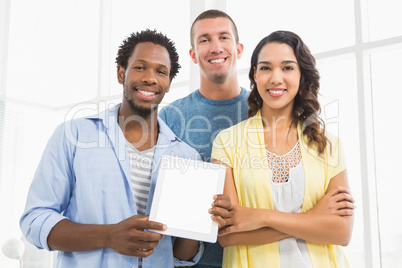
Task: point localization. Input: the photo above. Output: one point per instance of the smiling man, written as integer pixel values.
(219, 103)
(92, 192)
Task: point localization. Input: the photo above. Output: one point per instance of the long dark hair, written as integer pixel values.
(306, 106)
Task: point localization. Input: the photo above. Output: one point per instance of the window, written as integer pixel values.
(387, 95)
(382, 19)
(53, 52)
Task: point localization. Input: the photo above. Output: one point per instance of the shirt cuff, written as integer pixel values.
(47, 226)
(194, 260)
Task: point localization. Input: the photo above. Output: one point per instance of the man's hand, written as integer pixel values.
(129, 238)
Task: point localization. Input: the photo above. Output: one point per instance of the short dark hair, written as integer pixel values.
(127, 47)
(212, 14)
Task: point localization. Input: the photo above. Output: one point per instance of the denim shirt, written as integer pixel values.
(84, 176)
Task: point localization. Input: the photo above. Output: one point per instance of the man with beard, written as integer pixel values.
(219, 103)
(92, 192)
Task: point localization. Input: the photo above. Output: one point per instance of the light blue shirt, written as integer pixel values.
(84, 176)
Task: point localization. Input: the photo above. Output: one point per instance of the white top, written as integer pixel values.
(287, 182)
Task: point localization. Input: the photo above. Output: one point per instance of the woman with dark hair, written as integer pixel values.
(286, 177)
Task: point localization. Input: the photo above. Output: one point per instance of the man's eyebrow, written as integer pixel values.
(159, 64)
(208, 35)
(225, 33)
(203, 35)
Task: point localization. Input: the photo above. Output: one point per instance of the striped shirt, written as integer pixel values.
(140, 169)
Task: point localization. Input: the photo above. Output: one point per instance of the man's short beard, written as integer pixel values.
(219, 78)
(142, 112)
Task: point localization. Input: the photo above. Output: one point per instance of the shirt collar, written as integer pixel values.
(166, 133)
(109, 120)
(108, 116)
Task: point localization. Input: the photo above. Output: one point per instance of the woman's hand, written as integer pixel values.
(338, 201)
(243, 219)
(220, 209)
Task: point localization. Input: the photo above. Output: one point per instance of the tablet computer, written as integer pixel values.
(183, 194)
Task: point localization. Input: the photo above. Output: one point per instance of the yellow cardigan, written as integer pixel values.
(242, 148)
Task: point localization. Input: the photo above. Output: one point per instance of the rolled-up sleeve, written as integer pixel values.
(194, 260)
(49, 192)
